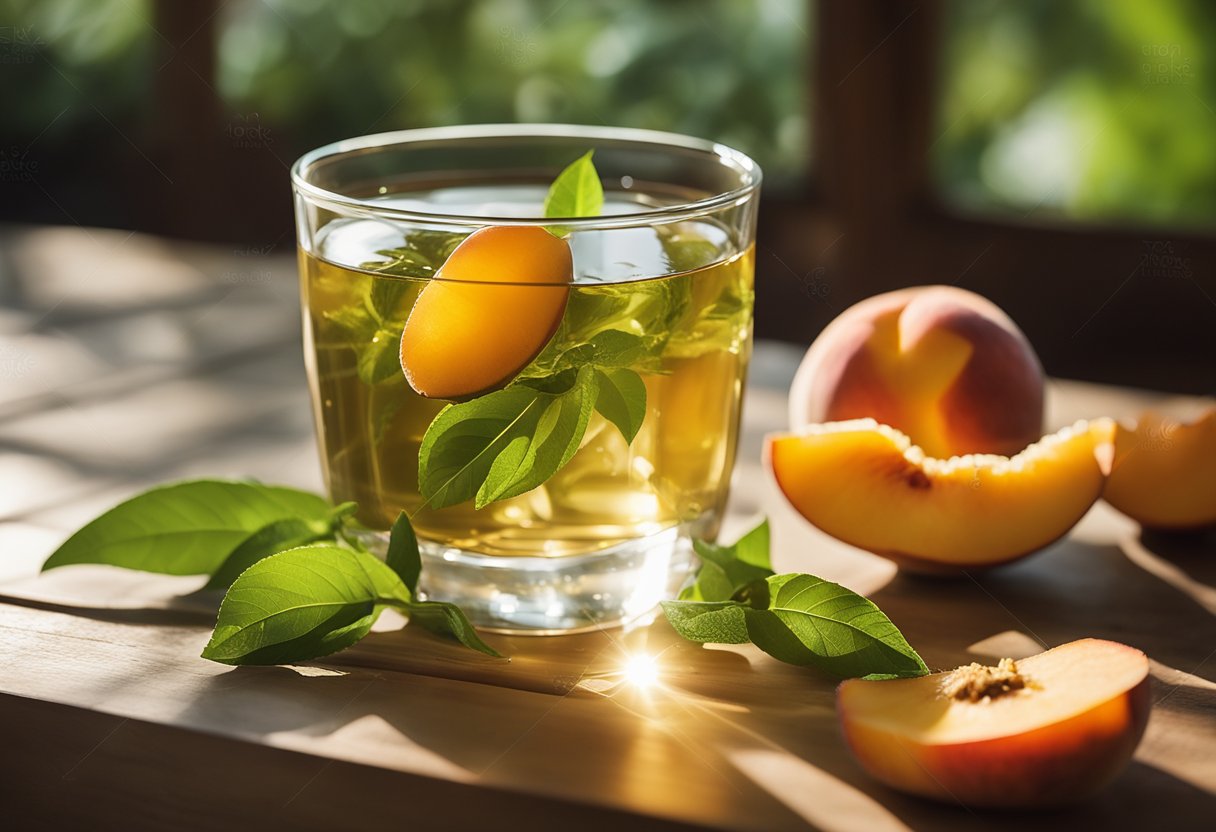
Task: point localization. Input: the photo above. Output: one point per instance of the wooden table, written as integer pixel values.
(126, 361)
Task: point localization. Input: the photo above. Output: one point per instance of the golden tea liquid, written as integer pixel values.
(685, 291)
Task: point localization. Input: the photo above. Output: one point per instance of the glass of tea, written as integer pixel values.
(553, 400)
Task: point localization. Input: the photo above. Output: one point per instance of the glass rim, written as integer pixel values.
(747, 169)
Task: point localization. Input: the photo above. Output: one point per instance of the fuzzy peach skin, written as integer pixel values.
(1059, 740)
(868, 485)
(940, 364)
(1164, 473)
(491, 308)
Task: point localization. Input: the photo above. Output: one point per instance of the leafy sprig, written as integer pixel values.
(300, 585)
(371, 326)
(576, 192)
(311, 601)
(487, 449)
(800, 619)
(510, 441)
(193, 528)
(293, 601)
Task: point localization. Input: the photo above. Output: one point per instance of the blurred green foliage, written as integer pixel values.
(731, 70)
(1092, 109)
(65, 63)
(1089, 109)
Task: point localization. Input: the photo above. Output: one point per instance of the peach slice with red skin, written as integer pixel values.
(943, 365)
(491, 308)
(868, 485)
(1057, 728)
(1164, 473)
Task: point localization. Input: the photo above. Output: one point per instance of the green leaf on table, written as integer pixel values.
(799, 619)
(713, 622)
(505, 443)
(814, 622)
(448, 620)
(621, 399)
(270, 539)
(403, 556)
(709, 584)
(727, 571)
(187, 528)
(303, 604)
(576, 192)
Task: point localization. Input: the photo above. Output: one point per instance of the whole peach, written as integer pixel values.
(940, 364)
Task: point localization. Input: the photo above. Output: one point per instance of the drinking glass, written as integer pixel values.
(553, 401)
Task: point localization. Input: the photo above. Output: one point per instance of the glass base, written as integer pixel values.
(549, 596)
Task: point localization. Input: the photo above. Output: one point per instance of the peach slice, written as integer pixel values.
(868, 485)
(491, 308)
(1164, 473)
(941, 364)
(1046, 730)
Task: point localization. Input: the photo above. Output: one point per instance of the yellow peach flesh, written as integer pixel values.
(1164, 473)
(1068, 732)
(491, 308)
(867, 485)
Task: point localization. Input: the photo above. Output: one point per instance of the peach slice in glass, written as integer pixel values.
(490, 310)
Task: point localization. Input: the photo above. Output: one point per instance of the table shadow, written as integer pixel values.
(1070, 591)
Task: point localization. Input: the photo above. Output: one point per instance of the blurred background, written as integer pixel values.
(1057, 156)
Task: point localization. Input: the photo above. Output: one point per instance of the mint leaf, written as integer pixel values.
(688, 252)
(389, 299)
(713, 622)
(270, 539)
(606, 349)
(612, 348)
(711, 583)
(302, 604)
(721, 321)
(795, 618)
(401, 262)
(621, 399)
(188, 528)
(526, 461)
(751, 549)
(420, 254)
(371, 324)
(727, 571)
(277, 537)
(576, 192)
(504, 443)
(380, 359)
(403, 556)
(814, 622)
(448, 620)
(375, 340)
(463, 441)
